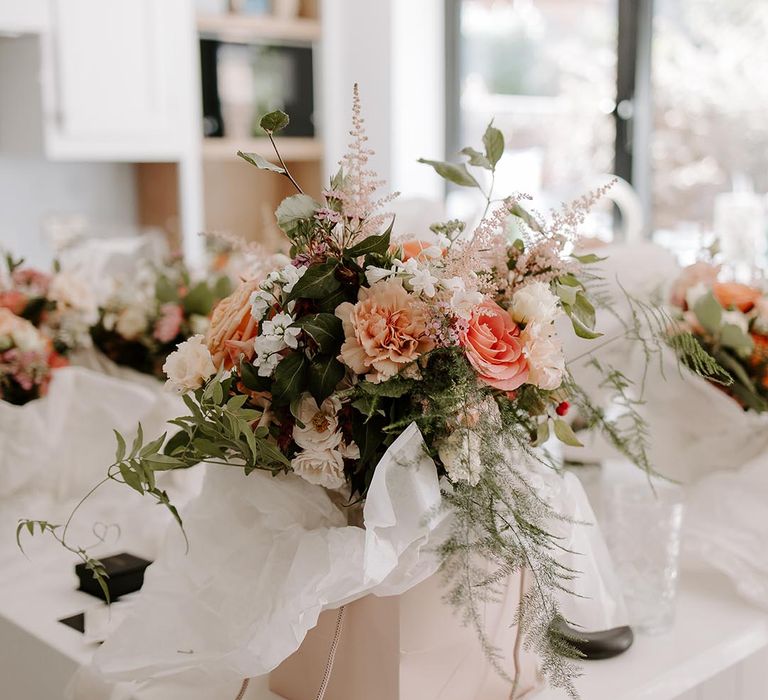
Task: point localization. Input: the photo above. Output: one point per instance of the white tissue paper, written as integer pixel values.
(268, 554)
(725, 527)
(63, 443)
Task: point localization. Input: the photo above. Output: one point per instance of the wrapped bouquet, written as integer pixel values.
(144, 318)
(729, 320)
(407, 386)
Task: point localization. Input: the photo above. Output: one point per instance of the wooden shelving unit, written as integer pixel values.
(245, 28)
(293, 149)
(238, 198)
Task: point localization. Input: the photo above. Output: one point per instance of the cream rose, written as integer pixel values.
(189, 366)
(546, 362)
(535, 302)
(73, 293)
(460, 455)
(321, 467)
(131, 322)
(385, 330)
(320, 429)
(20, 333)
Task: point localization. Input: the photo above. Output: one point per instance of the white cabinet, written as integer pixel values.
(112, 80)
(119, 79)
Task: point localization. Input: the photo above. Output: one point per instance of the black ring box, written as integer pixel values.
(125, 575)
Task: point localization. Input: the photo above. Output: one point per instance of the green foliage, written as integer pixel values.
(708, 312)
(261, 163)
(493, 140)
(325, 372)
(274, 121)
(457, 174)
(317, 282)
(373, 244)
(294, 210)
(291, 377)
(324, 328)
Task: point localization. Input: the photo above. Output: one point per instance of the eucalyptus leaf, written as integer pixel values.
(293, 210)
(493, 140)
(274, 121)
(731, 336)
(457, 174)
(708, 312)
(476, 158)
(261, 163)
(565, 433)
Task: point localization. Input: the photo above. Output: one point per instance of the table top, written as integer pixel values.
(714, 629)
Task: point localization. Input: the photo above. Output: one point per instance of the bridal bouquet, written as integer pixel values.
(730, 321)
(60, 304)
(417, 378)
(144, 319)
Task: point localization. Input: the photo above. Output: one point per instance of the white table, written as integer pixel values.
(699, 659)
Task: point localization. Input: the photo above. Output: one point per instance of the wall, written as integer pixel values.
(32, 190)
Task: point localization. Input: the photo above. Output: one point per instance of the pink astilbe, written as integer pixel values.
(358, 208)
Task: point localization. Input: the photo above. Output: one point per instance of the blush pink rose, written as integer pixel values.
(168, 325)
(698, 273)
(493, 347)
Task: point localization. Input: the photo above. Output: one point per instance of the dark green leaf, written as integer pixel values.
(178, 441)
(393, 388)
(274, 121)
(373, 244)
(368, 435)
(324, 328)
(199, 300)
(457, 174)
(260, 162)
(331, 301)
(317, 282)
(208, 448)
(367, 404)
(476, 158)
(290, 378)
(493, 140)
(325, 372)
(250, 377)
(293, 210)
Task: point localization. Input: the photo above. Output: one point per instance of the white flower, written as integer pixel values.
(322, 467)
(260, 301)
(72, 293)
(546, 362)
(421, 281)
(694, 293)
(27, 338)
(535, 302)
(280, 326)
(735, 318)
(189, 366)
(320, 429)
(453, 284)
(199, 324)
(375, 274)
(460, 454)
(464, 303)
(131, 322)
(268, 355)
(289, 275)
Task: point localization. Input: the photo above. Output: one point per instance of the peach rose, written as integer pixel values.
(741, 296)
(233, 328)
(698, 273)
(385, 330)
(493, 347)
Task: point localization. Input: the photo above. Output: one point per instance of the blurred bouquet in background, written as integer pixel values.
(730, 321)
(143, 318)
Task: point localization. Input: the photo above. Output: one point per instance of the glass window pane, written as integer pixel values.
(710, 80)
(545, 70)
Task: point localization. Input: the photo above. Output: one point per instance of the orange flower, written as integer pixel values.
(741, 296)
(385, 330)
(759, 358)
(13, 300)
(493, 347)
(233, 328)
(418, 249)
